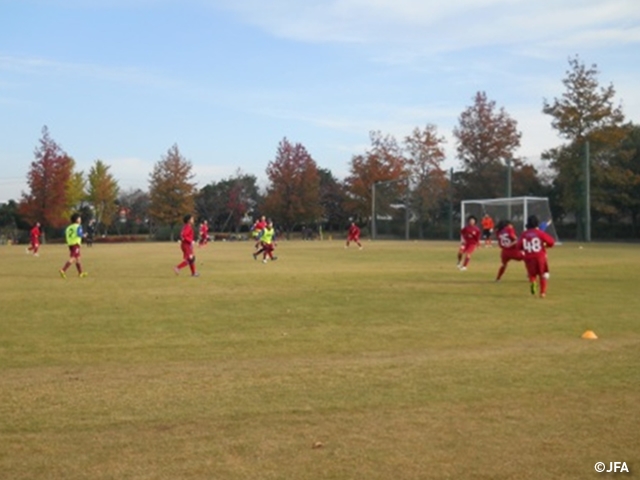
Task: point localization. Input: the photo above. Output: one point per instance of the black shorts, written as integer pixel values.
(486, 233)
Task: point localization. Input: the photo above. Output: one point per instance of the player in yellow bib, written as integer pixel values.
(73, 235)
(267, 243)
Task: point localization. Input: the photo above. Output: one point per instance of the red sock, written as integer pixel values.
(66, 265)
(182, 264)
(466, 261)
(79, 267)
(192, 266)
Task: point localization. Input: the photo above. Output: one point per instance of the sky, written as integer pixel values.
(122, 81)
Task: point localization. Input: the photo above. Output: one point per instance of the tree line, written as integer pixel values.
(600, 152)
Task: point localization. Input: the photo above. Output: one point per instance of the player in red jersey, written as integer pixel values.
(204, 234)
(256, 230)
(186, 245)
(470, 239)
(353, 235)
(534, 243)
(508, 242)
(34, 239)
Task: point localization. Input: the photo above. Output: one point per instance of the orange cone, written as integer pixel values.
(589, 335)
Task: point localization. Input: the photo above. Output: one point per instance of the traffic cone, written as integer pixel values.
(589, 335)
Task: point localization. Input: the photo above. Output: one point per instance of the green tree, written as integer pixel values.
(102, 193)
(332, 199)
(293, 195)
(225, 204)
(622, 180)
(171, 190)
(132, 213)
(11, 221)
(75, 190)
(487, 138)
(584, 113)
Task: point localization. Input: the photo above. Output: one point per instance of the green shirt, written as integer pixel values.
(73, 234)
(267, 235)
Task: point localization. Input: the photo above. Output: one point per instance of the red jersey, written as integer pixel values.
(35, 234)
(354, 231)
(507, 238)
(259, 226)
(204, 230)
(534, 242)
(470, 235)
(186, 235)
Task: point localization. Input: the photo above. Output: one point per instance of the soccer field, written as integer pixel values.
(329, 363)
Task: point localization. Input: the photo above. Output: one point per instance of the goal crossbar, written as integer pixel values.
(514, 209)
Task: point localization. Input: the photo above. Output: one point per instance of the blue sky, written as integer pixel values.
(226, 80)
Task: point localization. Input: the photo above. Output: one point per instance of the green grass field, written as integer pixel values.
(389, 360)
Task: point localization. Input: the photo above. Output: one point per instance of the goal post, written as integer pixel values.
(515, 209)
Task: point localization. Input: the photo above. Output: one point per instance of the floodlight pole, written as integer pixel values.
(406, 211)
(587, 193)
(373, 211)
(509, 187)
(451, 203)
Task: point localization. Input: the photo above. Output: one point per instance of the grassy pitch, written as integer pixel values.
(326, 364)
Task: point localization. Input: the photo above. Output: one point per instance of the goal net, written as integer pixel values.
(516, 209)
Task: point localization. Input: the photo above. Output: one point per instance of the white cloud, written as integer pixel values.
(437, 26)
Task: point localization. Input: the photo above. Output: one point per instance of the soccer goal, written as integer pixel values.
(516, 209)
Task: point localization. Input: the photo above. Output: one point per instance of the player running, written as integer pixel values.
(508, 243)
(186, 245)
(204, 234)
(257, 228)
(470, 239)
(73, 235)
(267, 243)
(353, 235)
(534, 243)
(34, 240)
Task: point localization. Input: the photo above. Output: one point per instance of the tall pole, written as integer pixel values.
(406, 212)
(509, 188)
(451, 203)
(373, 211)
(587, 194)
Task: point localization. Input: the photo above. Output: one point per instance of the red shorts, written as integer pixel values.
(353, 238)
(74, 251)
(468, 248)
(536, 266)
(511, 254)
(187, 250)
(268, 247)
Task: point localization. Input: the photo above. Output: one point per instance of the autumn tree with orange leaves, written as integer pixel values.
(293, 196)
(51, 185)
(383, 162)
